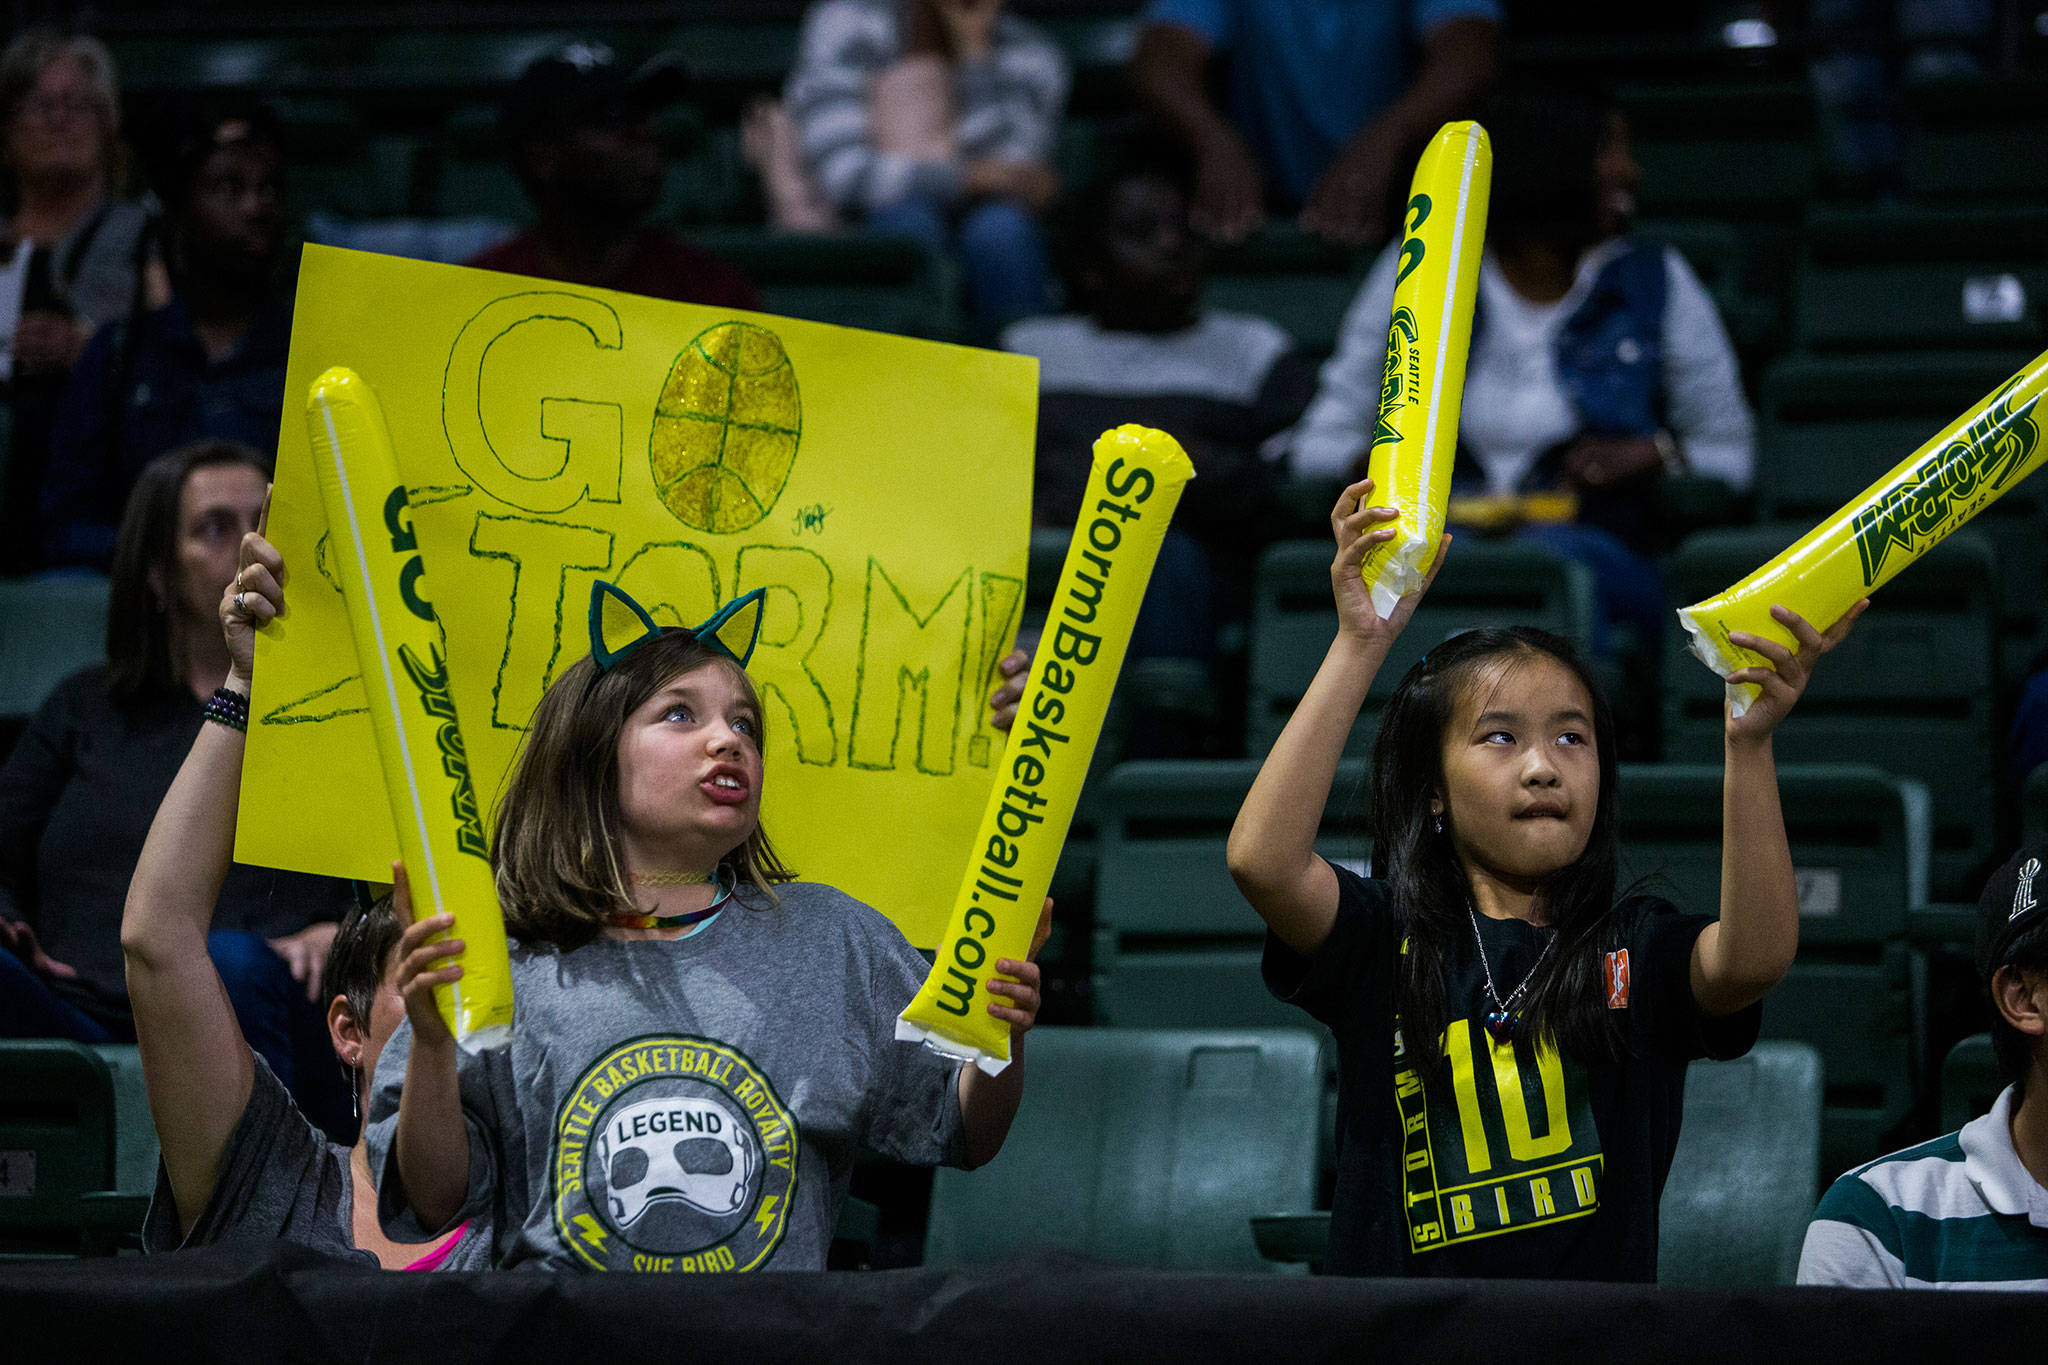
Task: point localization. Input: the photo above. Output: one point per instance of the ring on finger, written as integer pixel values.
(240, 610)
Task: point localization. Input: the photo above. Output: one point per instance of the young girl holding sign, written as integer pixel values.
(1512, 1041)
(702, 1043)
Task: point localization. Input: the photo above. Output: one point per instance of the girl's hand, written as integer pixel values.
(422, 964)
(1783, 683)
(1360, 528)
(255, 598)
(1022, 992)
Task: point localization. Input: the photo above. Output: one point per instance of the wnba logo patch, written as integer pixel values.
(673, 1154)
(1617, 979)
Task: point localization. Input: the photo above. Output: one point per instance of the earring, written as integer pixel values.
(1439, 822)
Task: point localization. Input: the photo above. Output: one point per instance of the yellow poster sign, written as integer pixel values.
(549, 435)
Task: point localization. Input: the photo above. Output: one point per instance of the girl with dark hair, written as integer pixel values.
(1512, 1038)
(80, 787)
(239, 1156)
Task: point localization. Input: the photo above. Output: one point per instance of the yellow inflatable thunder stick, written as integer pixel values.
(1133, 488)
(1963, 470)
(1416, 436)
(405, 674)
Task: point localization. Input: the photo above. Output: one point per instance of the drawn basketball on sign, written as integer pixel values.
(726, 429)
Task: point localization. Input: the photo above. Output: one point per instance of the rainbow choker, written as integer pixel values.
(682, 921)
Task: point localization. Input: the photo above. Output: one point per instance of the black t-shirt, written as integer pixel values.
(77, 797)
(1503, 1160)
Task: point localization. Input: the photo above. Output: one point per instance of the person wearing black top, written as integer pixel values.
(82, 784)
(1512, 1042)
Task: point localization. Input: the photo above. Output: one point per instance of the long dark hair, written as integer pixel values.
(1430, 889)
(145, 654)
(556, 852)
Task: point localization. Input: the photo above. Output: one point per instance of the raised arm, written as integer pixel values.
(1272, 850)
(194, 1061)
(1737, 960)
(432, 1141)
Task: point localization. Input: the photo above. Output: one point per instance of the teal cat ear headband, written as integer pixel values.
(619, 625)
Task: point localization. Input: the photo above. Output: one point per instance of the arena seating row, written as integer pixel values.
(1168, 1148)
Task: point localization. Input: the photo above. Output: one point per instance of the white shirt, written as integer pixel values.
(1514, 405)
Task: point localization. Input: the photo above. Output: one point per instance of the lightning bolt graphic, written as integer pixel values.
(592, 1232)
(767, 1213)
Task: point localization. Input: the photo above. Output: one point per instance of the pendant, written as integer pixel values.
(1500, 1024)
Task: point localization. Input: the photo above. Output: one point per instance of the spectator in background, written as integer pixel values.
(208, 364)
(81, 786)
(580, 136)
(935, 120)
(1597, 359)
(76, 250)
(1327, 103)
(1146, 351)
(1969, 1210)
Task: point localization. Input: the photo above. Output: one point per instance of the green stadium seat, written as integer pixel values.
(471, 177)
(135, 1142)
(2034, 803)
(49, 628)
(1970, 1081)
(730, 61)
(1831, 425)
(58, 1152)
(1746, 1175)
(1859, 842)
(428, 57)
(1910, 690)
(1176, 944)
(884, 284)
(1733, 261)
(1291, 278)
(1146, 1147)
(1098, 48)
(1895, 278)
(1976, 137)
(1724, 148)
(1483, 583)
(175, 63)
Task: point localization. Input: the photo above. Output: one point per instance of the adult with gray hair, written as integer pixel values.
(75, 250)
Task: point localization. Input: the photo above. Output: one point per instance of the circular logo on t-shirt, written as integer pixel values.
(673, 1153)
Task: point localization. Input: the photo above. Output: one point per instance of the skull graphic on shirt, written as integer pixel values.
(675, 1147)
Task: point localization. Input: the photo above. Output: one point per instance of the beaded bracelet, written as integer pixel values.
(230, 708)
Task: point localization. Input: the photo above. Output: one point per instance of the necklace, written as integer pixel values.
(1504, 1018)
(670, 878)
(681, 921)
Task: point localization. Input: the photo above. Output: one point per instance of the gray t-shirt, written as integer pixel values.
(692, 1104)
(281, 1178)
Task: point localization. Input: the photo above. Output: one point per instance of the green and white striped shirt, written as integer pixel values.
(1959, 1212)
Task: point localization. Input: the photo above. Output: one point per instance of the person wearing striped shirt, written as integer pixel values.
(1968, 1210)
(935, 120)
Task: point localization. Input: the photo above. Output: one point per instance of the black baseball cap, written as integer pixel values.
(2014, 901)
(584, 80)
